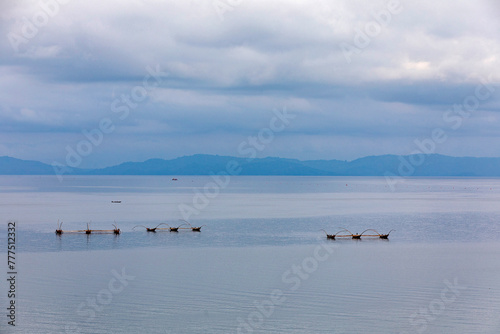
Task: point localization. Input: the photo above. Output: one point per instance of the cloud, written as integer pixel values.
(225, 77)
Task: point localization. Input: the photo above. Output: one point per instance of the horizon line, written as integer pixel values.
(266, 157)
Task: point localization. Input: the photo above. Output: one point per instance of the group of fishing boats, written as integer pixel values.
(343, 233)
(349, 234)
(116, 230)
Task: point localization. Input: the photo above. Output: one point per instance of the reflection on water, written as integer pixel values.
(261, 263)
(358, 288)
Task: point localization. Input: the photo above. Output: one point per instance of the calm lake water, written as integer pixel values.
(261, 263)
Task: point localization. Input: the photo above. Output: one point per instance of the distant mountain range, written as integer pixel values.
(200, 164)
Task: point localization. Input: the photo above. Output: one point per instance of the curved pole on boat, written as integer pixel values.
(116, 231)
(370, 229)
(185, 221)
(194, 228)
(59, 228)
(148, 228)
(386, 235)
(329, 236)
(343, 228)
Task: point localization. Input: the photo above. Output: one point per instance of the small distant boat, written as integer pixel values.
(116, 201)
(174, 179)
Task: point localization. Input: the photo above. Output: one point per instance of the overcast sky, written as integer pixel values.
(203, 76)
